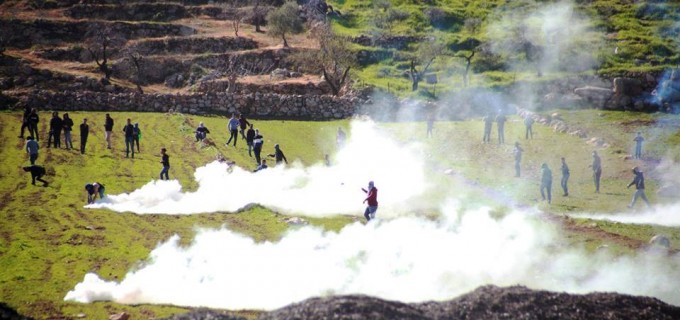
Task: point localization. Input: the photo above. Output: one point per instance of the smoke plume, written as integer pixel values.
(407, 259)
(319, 190)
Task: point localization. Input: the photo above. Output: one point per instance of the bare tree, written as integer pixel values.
(333, 59)
(285, 20)
(425, 56)
(137, 62)
(470, 48)
(100, 42)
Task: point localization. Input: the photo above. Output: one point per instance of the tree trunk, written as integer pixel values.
(285, 42)
(415, 77)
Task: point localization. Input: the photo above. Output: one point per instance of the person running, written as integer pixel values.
(488, 123)
(243, 124)
(262, 166)
(84, 132)
(94, 189)
(340, 138)
(597, 170)
(165, 160)
(258, 142)
(33, 120)
(500, 120)
(529, 123)
(565, 177)
(56, 125)
(638, 146)
(233, 129)
(129, 131)
(24, 122)
(278, 155)
(201, 132)
(32, 149)
(546, 182)
(639, 182)
(136, 134)
(518, 158)
(37, 172)
(108, 128)
(250, 137)
(372, 199)
(68, 127)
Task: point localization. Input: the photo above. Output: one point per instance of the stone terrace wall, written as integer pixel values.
(192, 45)
(129, 12)
(256, 105)
(25, 34)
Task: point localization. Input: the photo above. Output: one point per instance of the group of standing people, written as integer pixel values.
(500, 120)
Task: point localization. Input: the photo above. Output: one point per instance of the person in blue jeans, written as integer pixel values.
(165, 160)
(129, 130)
(233, 129)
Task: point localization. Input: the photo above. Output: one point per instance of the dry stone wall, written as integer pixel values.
(259, 105)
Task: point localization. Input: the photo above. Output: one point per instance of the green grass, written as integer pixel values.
(48, 241)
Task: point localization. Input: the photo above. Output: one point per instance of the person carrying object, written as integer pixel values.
(639, 182)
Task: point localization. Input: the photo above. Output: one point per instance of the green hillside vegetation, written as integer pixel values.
(48, 241)
(510, 39)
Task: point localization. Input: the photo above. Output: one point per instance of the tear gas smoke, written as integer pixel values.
(314, 191)
(661, 215)
(407, 259)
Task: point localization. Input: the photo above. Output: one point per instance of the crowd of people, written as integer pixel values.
(546, 174)
(255, 142)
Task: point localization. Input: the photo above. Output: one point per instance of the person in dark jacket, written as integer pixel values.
(372, 199)
(108, 129)
(201, 132)
(528, 123)
(639, 182)
(278, 155)
(243, 124)
(56, 125)
(94, 189)
(165, 160)
(546, 182)
(68, 126)
(500, 121)
(488, 124)
(129, 131)
(250, 136)
(24, 122)
(262, 166)
(37, 172)
(33, 120)
(258, 142)
(84, 132)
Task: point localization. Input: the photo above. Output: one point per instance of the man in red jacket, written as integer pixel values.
(372, 199)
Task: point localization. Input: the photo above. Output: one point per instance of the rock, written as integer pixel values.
(627, 86)
(295, 221)
(119, 316)
(660, 241)
(593, 93)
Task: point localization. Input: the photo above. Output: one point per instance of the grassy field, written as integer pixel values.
(48, 241)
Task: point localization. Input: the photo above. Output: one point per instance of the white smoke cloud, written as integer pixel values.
(407, 259)
(315, 191)
(661, 215)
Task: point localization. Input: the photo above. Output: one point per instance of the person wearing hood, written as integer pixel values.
(546, 182)
(639, 182)
(372, 199)
(278, 155)
(201, 132)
